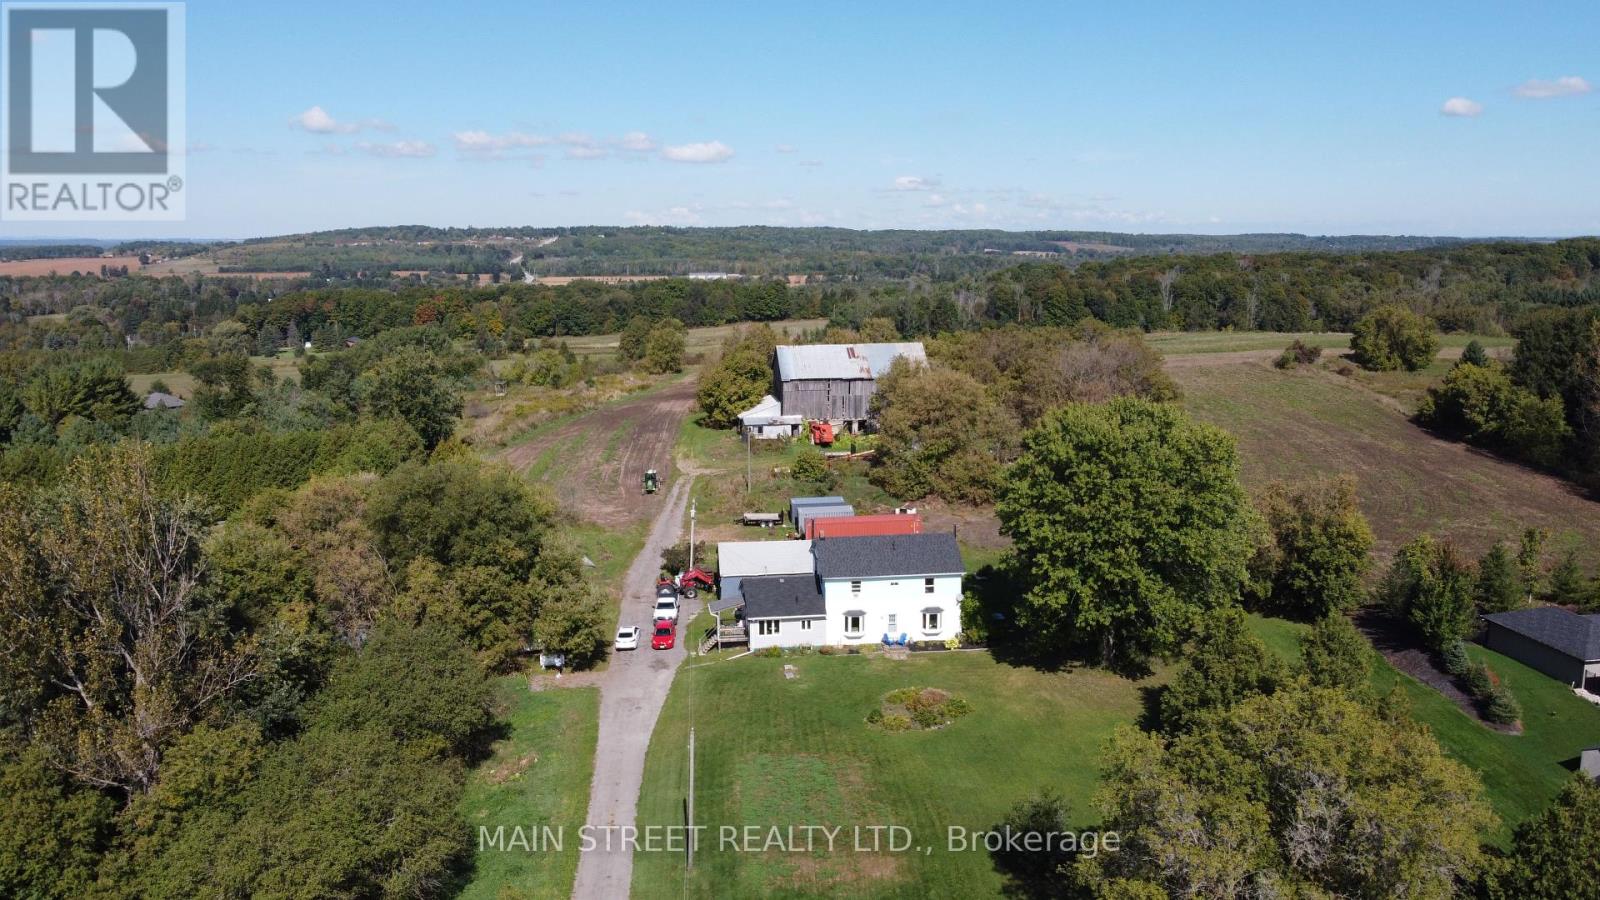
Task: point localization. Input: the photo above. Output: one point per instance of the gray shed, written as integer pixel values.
(820, 511)
(1589, 762)
(1558, 642)
(798, 503)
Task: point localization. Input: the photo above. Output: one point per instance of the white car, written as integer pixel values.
(628, 637)
(666, 608)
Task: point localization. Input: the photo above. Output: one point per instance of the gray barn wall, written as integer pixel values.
(828, 399)
(1557, 665)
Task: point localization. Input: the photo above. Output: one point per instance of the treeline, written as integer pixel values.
(1544, 407)
(1473, 287)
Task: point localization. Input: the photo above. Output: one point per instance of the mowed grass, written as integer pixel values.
(1180, 343)
(1298, 425)
(537, 776)
(1520, 772)
(776, 752)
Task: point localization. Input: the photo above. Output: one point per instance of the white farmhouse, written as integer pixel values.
(864, 589)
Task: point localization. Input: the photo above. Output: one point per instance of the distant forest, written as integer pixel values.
(1465, 287)
(831, 254)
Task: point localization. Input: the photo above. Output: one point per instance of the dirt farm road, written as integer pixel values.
(632, 692)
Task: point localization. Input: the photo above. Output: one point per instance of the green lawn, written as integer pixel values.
(1520, 772)
(1189, 342)
(537, 776)
(770, 751)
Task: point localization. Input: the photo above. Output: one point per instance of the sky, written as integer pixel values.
(1460, 118)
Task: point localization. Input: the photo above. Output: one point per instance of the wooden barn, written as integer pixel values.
(835, 382)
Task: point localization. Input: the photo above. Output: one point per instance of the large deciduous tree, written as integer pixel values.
(1128, 525)
(1316, 550)
(106, 629)
(1393, 337)
(1429, 586)
(940, 432)
(1304, 792)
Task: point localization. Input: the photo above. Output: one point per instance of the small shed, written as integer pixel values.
(766, 421)
(798, 503)
(738, 560)
(1589, 762)
(805, 515)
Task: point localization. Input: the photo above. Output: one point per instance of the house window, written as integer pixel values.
(892, 624)
(855, 588)
(767, 627)
(930, 621)
(852, 624)
(927, 585)
(805, 624)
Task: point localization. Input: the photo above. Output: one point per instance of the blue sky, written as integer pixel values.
(1217, 117)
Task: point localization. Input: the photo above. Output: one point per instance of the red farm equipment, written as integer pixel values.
(822, 433)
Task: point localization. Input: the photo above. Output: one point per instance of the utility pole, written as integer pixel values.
(747, 462)
(691, 532)
(691, 797)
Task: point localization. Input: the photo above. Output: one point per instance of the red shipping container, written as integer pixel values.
(862, 526)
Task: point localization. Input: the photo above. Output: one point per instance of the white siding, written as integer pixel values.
(904, 597)
(791, 633)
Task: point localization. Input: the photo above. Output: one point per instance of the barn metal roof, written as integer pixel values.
(810, 362)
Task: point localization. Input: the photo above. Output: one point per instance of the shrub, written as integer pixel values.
(921, 709)
(1454, 659)
(1502, 707)
(1392, 337)
(1297, 354)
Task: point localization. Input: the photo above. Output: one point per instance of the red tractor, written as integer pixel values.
(688, 584)
(822, 433)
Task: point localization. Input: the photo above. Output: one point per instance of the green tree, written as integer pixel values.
(101, 593)
(942, 433)
(52, 834)
(1473, 354)
(1568, 585)
(575, 623)
(734, 385)
(1317, 549)
(1128, 526)
(663, 347)
(1499, 586)
(1430, 587)
(415, 388)
(93, 389)
(1393, 337)
(811, 469)
(1302, 792)
(1553, 853)
(631, 345)
(1227, 665)
(1333, 654)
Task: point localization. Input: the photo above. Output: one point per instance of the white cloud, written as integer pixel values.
(677, 215)
(704, 152)
(483, 145)
(1461, 107)
(1565, 86)
(637, 142)
(317, 121)
(398, 149)
(915, 183)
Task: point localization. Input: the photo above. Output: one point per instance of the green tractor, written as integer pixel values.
(652, 481)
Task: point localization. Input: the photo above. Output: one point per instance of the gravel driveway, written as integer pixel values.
(632, 691)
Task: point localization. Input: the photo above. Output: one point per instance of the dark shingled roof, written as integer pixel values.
(781, 597)
(1576, 636)
(888, 555)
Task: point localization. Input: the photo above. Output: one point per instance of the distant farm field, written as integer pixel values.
(85, 265)
(697, 341)
(1297, 425)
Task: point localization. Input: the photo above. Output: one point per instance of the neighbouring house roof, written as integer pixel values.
(1560, 629)
(880, 556)
(744, 559)
(782, 597)
(159, 400)
(806, 362)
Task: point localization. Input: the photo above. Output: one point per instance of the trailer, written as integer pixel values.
(761, 519)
